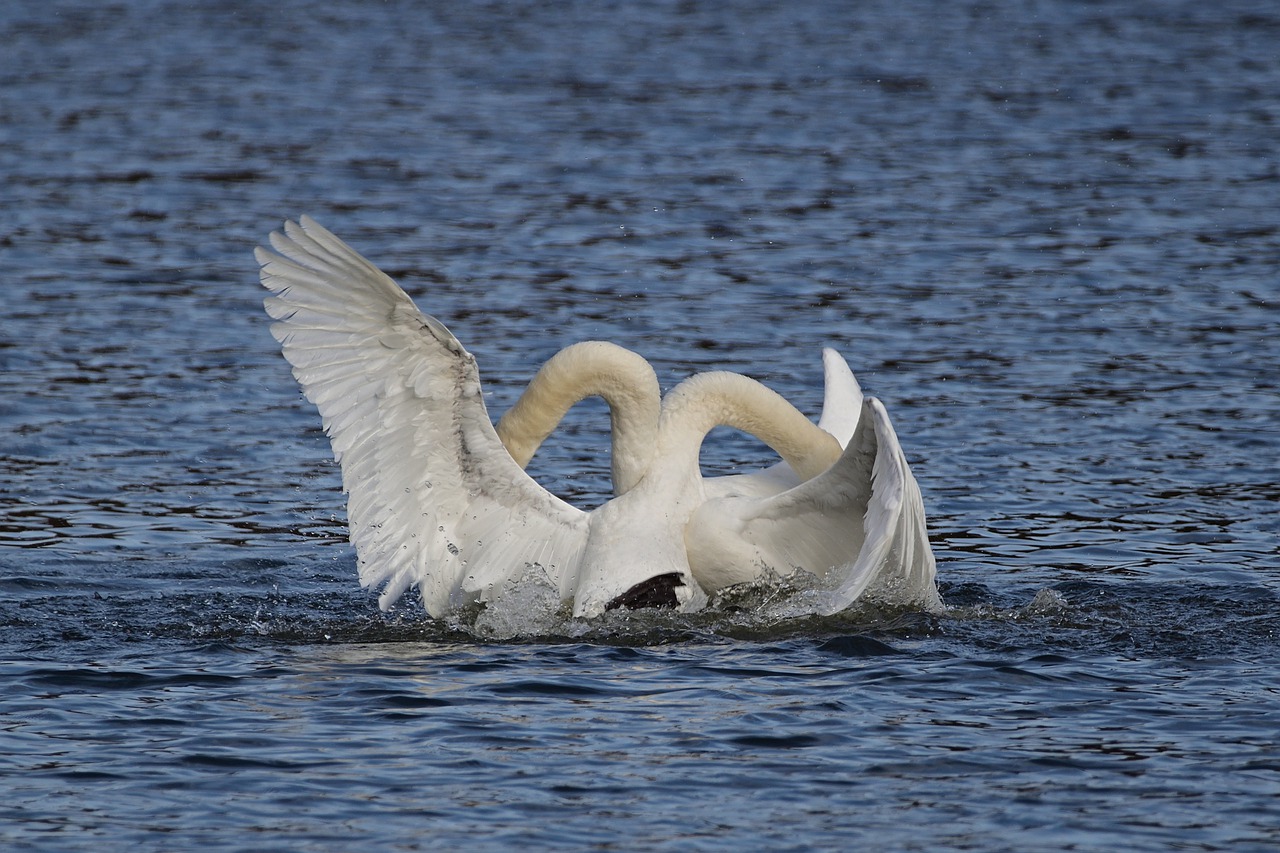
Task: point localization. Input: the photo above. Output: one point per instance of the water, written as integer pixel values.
(1044, 233)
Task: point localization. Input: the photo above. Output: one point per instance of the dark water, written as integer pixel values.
(1047, 234)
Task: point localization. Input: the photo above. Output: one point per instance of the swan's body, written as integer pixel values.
(437, 501)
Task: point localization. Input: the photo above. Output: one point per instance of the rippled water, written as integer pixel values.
(1046, 234)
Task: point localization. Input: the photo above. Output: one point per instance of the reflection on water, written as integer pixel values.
(1043, 235)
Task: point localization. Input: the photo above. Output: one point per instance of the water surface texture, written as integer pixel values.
(1046, 234)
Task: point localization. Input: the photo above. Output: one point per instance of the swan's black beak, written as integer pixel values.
(658, 591)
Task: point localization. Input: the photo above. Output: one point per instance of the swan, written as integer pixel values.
(734, 537)
(436, 500)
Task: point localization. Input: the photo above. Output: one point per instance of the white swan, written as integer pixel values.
(882, 544)
(436, 501)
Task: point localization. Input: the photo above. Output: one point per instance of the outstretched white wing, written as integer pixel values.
(434, 498)
(860, 524)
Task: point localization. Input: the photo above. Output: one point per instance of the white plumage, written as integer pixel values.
(435, 500)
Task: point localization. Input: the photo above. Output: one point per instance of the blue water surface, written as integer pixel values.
(1046, 234)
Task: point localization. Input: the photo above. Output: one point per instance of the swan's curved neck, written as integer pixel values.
(708, 400)
(592, 368)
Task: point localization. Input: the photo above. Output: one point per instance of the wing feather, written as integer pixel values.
(433, 497)
(841, 397)
(896, 555)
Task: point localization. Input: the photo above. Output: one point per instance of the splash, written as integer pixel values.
(527, 606)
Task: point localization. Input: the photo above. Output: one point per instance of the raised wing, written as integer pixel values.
(895, 562)
(434, 498)
(859, 524)
(841, 397)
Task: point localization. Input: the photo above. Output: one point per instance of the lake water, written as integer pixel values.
(1047, 234)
